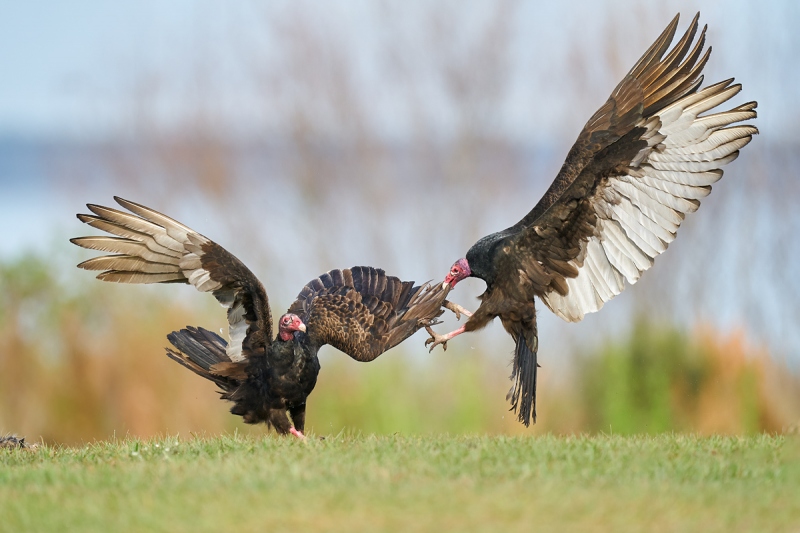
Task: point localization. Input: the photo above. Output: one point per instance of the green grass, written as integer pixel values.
(402, 483)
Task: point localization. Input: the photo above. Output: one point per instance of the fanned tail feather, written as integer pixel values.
(241, 382)
(203, 352)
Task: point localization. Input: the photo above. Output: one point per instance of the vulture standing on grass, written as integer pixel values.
(360, 310)
(643, 161)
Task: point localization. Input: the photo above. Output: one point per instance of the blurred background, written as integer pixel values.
(308, 135)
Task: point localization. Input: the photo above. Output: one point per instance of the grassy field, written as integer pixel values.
(403, 483)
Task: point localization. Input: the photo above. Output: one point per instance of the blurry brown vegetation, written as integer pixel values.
(82, 365)
(661, 379)
(314, 179)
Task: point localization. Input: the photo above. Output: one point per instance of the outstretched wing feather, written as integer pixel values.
(151, 247)
(641, 163)
(363, 312)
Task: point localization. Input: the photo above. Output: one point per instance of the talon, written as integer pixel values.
(436, 340)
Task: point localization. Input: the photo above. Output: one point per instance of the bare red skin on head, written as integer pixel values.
(288, 324)
(458, 271)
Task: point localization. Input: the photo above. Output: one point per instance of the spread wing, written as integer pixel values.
(150, 247)
(643, 161)
(363, 312)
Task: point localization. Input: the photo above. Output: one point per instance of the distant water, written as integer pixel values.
(30, 213)
(731, 265)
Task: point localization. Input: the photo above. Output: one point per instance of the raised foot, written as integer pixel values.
(436, 340)
(298, 434)
(457, 309)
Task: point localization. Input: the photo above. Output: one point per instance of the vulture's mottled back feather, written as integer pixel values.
(363, 312)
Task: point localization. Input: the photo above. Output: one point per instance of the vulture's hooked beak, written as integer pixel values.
(301, 327)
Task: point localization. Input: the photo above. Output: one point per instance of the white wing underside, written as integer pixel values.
(639, 213)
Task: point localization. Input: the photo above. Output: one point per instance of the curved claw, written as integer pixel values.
(435, 339)
(427, 322)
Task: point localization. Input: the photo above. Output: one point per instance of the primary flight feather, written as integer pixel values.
(360, 310)
(642, 162)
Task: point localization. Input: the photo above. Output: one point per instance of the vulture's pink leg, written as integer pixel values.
(456, 309)
(437, 339)
(297, 434)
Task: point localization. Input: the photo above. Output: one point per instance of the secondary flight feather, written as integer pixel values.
(642, 162)
(361, 311)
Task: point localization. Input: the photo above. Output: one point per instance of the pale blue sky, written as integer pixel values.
(66, 66)
(68, 70)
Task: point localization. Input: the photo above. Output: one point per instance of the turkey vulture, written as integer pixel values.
(643, 161)
(360, 310)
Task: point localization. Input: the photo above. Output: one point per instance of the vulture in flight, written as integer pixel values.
(360, 310)
(645, 159)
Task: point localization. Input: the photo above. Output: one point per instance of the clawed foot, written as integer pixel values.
(298, 434)
(435, 340)
(456, 309)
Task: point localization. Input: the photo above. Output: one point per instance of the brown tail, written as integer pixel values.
(523, 394)
(203, 352)
(242, 382)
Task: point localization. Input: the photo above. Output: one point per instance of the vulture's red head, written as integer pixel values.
(288, 324)
(458, 271)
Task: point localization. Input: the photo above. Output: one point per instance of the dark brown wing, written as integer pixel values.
(642, 162)
(363, 312)
(153, 248)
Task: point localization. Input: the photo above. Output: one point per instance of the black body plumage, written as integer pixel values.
(360, 310)
(641, 163)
